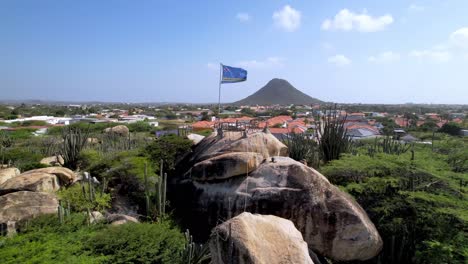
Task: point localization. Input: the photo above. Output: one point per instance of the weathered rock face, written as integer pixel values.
(265, 144)
(195, 138)
(8, 173)
(52, 161)
(119, 130)
(226, 166)
(65, 175)
(331, 222)
(35, 182)
(23, 205)
(256, 239)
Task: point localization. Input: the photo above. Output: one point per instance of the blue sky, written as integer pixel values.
(149, 51)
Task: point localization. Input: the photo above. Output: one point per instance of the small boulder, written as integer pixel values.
(53, 161)
(253, 238)
(24, 205)
(92, 141)
(96, 216)
(120, 130)
(35, 182)
(8, 173)
(119, 219)
(65, 175)
(226, 166)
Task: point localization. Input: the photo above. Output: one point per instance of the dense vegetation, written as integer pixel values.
(418, 205)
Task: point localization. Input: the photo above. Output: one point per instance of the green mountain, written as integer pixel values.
(278, 91)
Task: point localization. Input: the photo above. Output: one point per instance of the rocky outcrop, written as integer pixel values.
(8, 173)
(35, 182)
(258, 239)
(53, 161)
(331, 222)
(65, 175)
(226, 166)
(24, 205)
(120, 130)
(214, 145)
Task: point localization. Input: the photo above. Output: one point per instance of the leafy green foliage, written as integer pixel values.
(140, 126)
(45, 240)
(451, 128)
(138, 243)
(79, 200)
(168, 148)
(418, 206)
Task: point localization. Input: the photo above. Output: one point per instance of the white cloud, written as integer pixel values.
(339, 60)
(385, 57)
(269, 62)
(417, 8)
(347, 20)
(432, 54)
(243, 17)
(288, 18)
(459, 38)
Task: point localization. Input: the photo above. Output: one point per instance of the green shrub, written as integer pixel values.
(79, 201)
(168, 148)
(138, 243)
(140, 126)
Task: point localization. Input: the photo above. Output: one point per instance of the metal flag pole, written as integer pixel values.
(219, 94)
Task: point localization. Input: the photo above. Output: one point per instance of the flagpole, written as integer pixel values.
(219, 94)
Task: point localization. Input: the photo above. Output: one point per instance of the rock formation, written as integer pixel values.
(331, 222)
(53, 161)
(257, 239)
(35, 182)
(120, 130)
(23, 205)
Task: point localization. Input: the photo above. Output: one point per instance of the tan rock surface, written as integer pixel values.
(8, 173)
(258, 239)
(226, 166)
(119, 130)
(23, 205)
(35, 182)
(65, 175)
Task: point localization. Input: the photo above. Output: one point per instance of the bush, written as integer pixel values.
(79, 201)
(451, 128)
(138, 243)
(140, 126)
(168, 148)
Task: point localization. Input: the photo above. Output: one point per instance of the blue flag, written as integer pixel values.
(233, 75)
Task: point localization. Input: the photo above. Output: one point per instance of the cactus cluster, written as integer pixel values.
(195, 253)
(156, 208)
(63, 212)
(389, 146)
(332, 135)
(74, 140)
(303, 148)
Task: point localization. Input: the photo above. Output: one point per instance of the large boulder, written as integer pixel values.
(120, 130)
(65, 175)
(331, 222)
(24, 205)
(53, 161)
(8, 173)
(263, 143)
(35, 182)
(226, 166)
(258, 239)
